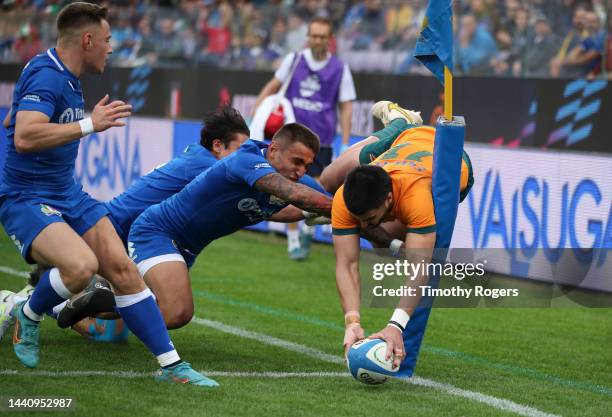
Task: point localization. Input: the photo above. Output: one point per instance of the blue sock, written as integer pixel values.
(49, 292)
(142, 316)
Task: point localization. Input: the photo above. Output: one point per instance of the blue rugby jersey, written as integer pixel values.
(220, 201)
(158, 185)
(46, 86)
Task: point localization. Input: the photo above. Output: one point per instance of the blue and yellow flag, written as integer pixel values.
(434, 48)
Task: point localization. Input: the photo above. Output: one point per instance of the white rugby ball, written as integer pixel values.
(366, 362)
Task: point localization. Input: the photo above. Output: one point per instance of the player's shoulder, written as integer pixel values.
(309, 181)
(252, 147)
(43, 69)
(44, 63)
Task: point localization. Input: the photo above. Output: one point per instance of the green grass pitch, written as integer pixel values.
(551, 361)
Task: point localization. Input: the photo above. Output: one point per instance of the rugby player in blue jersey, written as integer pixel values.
(222, 133)
(47, 214)
(257, 182)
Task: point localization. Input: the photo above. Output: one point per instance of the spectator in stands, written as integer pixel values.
(244, 33)
(540, 49)
(277, 43)
(398, 20)
(587, 55)
(242, 25)
(124, 39)
(216, 28)
(146, 47)
(475, 47)
(27, 45)
(573, 38)
(7, 37)
(168, 46)
(297, 33)
(370, 30)
(484, 13)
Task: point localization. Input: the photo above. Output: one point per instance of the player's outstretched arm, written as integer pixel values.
(289, 214)
(347, 249)
(419, 249)
(295, 193)
(34, 132)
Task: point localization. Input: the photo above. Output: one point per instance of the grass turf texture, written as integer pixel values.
(556, 360)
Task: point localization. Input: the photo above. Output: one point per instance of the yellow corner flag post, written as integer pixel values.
(448, 94)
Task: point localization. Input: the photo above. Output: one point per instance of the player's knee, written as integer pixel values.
(123, 274)
(80, 271)
(180, 316)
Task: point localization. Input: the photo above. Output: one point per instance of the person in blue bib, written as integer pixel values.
(257, 182)
(51, 220)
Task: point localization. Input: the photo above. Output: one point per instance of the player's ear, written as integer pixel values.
(86, 40)
(217, 148)
(389, 199)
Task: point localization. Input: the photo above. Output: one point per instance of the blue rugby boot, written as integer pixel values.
(183, 373)
(25, 337)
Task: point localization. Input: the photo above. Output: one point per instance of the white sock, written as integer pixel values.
(168, 358)
(307, 230)
(293, 239)
(58, 308)
(31, 314)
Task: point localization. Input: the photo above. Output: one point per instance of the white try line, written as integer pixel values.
(499, 403)
(495, 402)
(14, 272)
(134, 375)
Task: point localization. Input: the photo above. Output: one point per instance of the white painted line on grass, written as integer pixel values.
(11, 271)
(499, 403)
(495, 402)
(133, 375)
(269, 340)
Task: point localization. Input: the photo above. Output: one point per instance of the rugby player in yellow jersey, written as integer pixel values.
(394, 187)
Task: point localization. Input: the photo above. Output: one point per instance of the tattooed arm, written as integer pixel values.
(294, 193)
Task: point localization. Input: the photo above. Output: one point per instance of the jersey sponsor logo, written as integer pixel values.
(310, 85)
(262, 165)
(31, 97)
(70, 115)
(49, 211)
(250, 208)
(308, 105)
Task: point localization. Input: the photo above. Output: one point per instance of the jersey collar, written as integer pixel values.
(52, 53)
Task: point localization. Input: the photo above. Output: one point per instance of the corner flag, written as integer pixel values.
(434, 48)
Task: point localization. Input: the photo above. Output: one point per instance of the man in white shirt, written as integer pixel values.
(318, 85)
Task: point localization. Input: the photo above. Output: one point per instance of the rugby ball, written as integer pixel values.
(366, 362)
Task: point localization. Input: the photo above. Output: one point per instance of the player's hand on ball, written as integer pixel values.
(105, 116)
(353, 333)
(395, 344)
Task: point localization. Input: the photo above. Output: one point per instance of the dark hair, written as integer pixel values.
(77, 15)
(222, 124)
(296, 132)
(324, 21)
(366, 188)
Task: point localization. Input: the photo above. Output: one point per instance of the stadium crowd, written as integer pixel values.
(536, 38)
